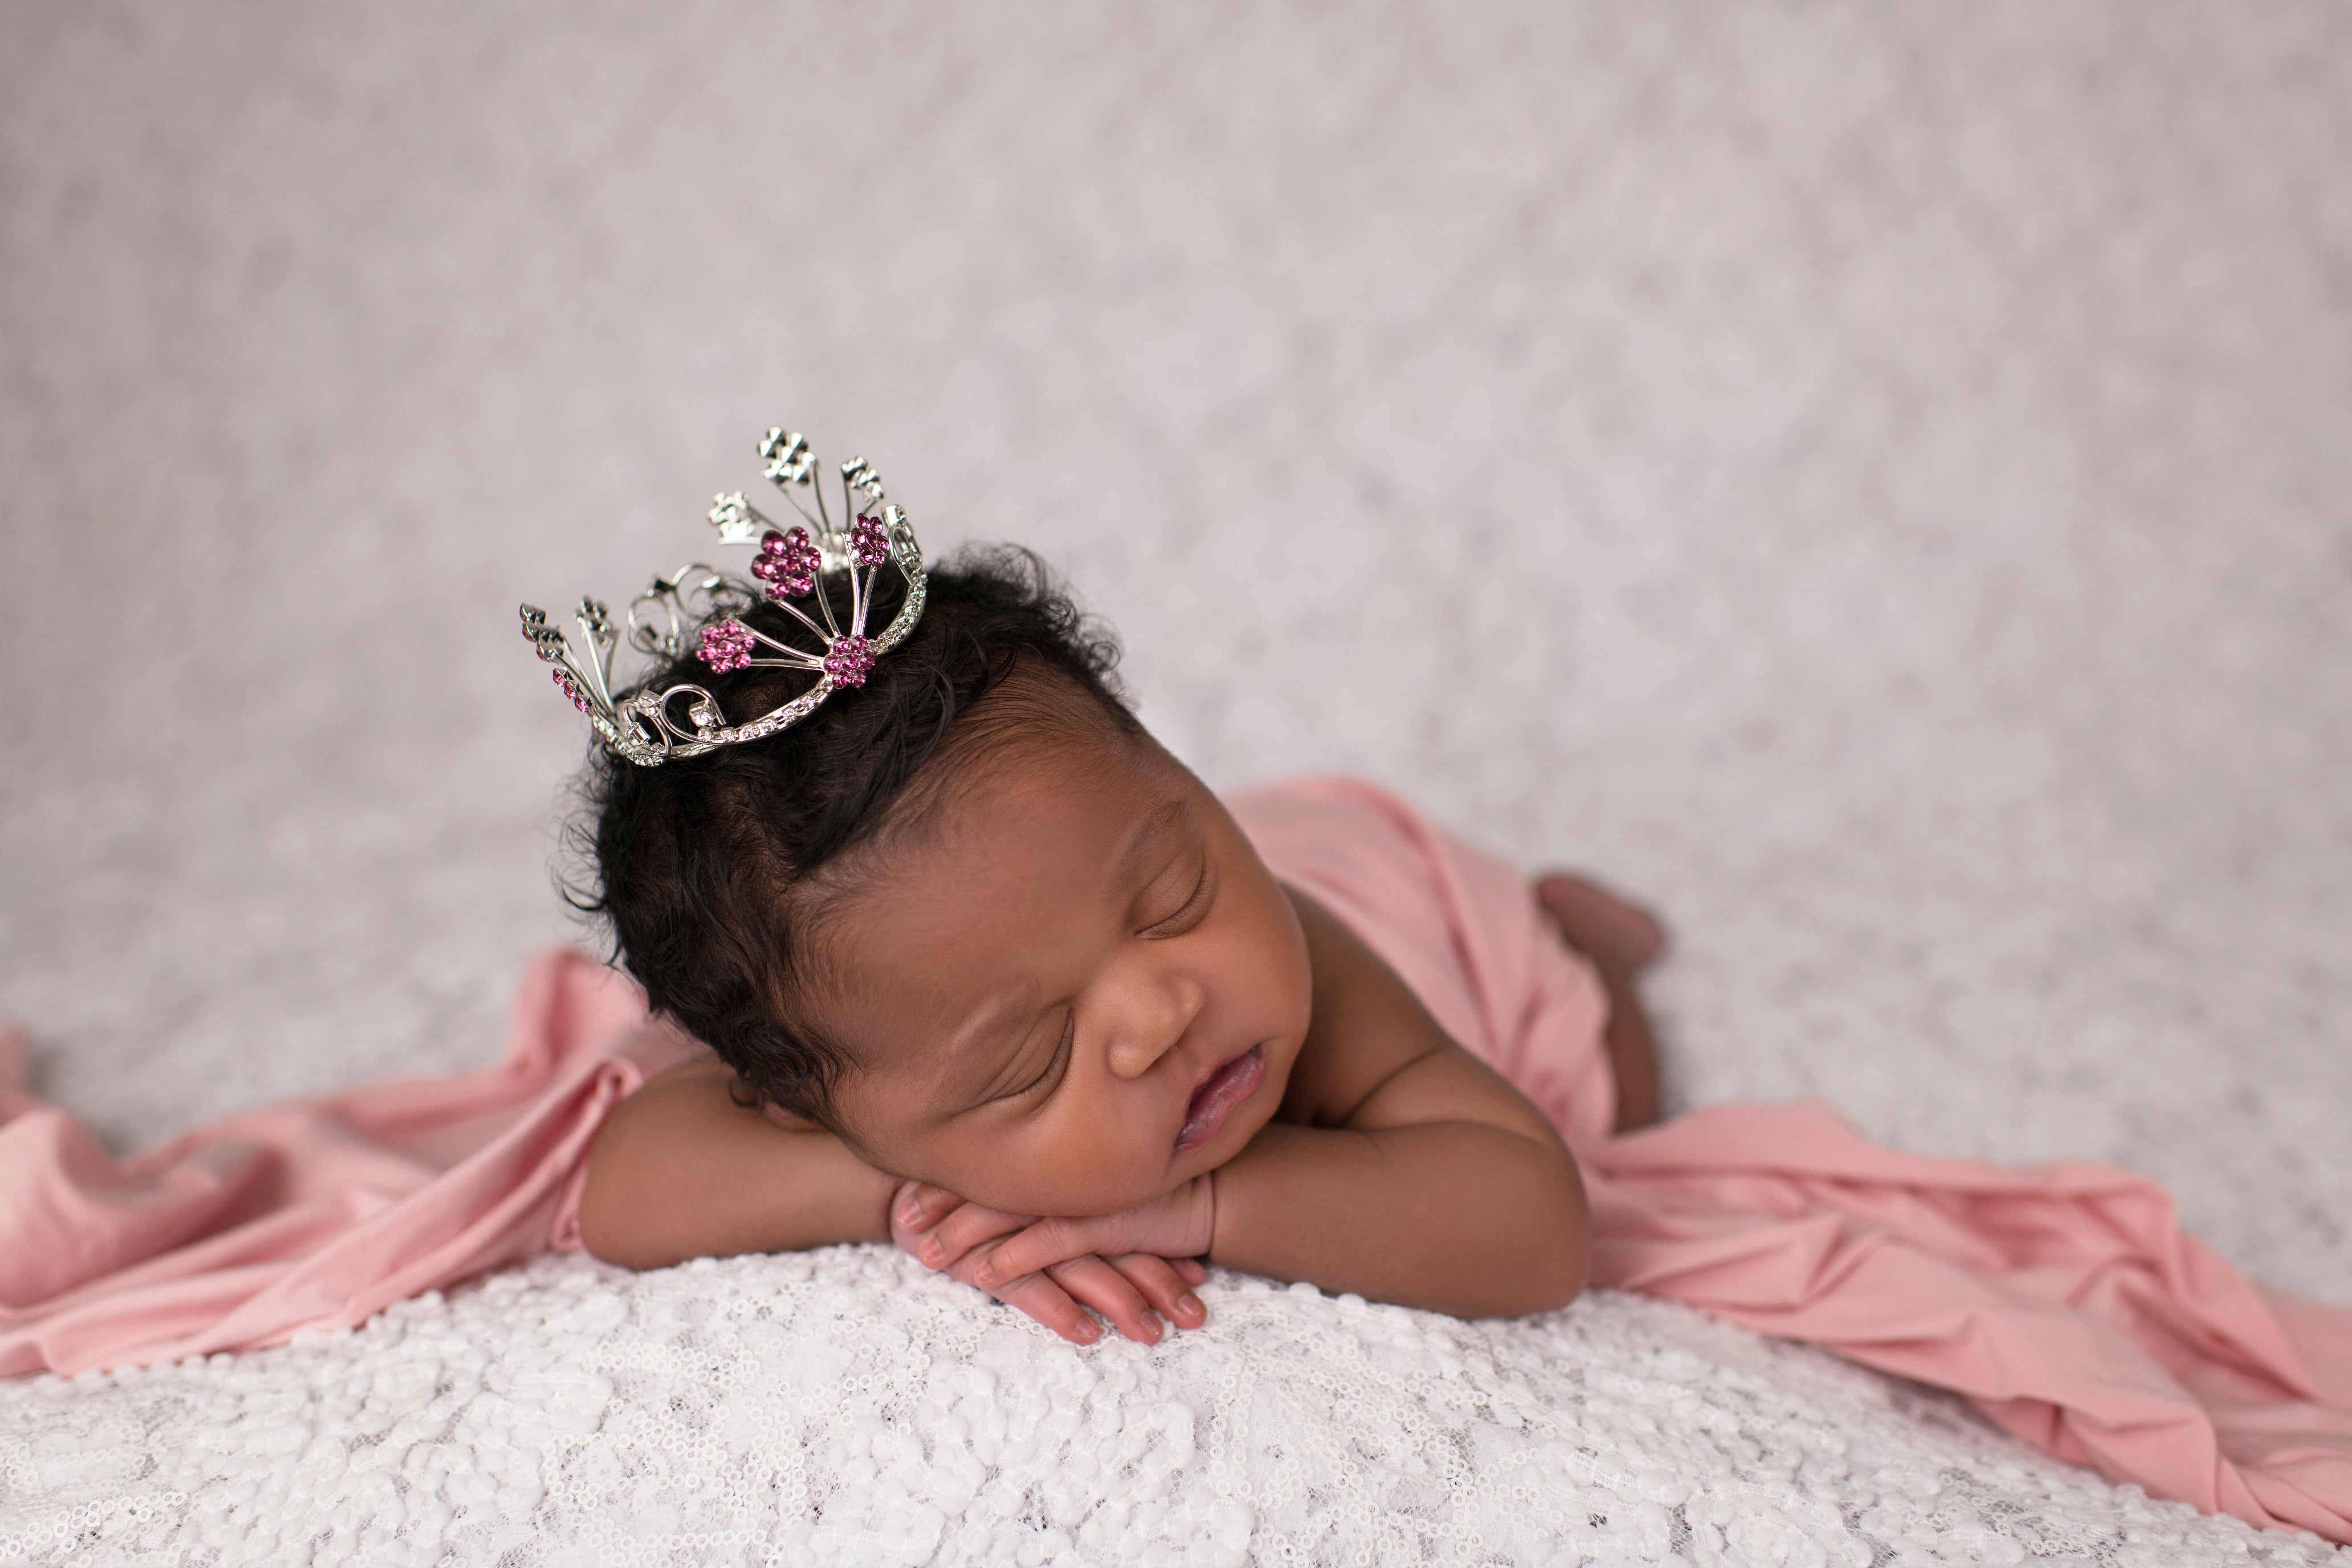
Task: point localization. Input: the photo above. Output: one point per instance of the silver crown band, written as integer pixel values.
(792, 563)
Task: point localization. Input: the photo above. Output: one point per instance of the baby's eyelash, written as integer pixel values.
(1061, 1054)
(1203, 890)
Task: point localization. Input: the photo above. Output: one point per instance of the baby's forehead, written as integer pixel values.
(1068, 815)
(1028, 857)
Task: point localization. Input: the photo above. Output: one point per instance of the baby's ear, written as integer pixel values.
(790, 1121)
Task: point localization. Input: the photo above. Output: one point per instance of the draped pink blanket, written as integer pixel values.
(2065, 1302)
(315, 1214)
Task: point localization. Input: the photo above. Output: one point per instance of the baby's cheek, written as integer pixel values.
(1111, 1166)
(1082, 1167)
(1265, 971)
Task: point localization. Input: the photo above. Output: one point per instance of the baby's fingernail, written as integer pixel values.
(1152, 1327)
(984, 1277)
(1188, 1303)
(931, 1250)
(1089, 1331)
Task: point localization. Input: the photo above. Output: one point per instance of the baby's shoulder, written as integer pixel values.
(1366, 1026)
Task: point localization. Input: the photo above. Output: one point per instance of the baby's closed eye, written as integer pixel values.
(1201, 893)
(1033, 1074)
(1055, 1061)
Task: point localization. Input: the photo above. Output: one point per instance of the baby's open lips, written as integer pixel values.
(1214, 1100)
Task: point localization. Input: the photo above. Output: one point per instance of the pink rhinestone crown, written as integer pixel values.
(793, 566)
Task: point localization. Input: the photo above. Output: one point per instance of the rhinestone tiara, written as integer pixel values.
(789, 564)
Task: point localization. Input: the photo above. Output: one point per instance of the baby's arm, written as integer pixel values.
(1403, 1169)
(681, 1171)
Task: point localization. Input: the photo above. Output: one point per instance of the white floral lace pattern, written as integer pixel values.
(847, 1408)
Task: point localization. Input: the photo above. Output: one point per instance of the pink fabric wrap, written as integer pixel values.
(315, 1214)
(2065, 1302)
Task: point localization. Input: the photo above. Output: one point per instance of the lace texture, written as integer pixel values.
(847, 1407)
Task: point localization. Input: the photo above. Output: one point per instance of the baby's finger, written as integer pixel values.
(1191, 1269)
(909, 1228)
(919, 1205)
(1163, 1287)
(968, 1227)
(1035, 1247)
(1108, 1292)
(1049, 1304)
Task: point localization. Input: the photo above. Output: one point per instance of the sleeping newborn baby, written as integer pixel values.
(985, 970)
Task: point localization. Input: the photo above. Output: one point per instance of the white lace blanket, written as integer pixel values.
(847, 1407)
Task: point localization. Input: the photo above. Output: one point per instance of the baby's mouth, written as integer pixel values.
(1214, 1100)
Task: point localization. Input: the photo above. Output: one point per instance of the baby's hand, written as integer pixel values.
(1133, 1289)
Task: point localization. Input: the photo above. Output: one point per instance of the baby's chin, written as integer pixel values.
(1098, 1189)
(1080, 1195)
(1077, 1199)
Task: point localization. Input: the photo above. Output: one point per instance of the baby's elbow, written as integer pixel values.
(1560, 1279)
(606, 1238)
(616, 1228)
(1544, 1279)
(1560, 1267)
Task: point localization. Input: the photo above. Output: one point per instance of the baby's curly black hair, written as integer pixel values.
(701, 865)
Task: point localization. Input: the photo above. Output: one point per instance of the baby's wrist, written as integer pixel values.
(877, 1195)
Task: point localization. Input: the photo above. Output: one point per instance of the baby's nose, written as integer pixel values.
(1159, 1019)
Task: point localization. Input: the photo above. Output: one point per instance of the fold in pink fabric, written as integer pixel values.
(2065, 1302)
(315, 1214)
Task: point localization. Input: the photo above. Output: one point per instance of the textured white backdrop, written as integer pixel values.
(1875, 479)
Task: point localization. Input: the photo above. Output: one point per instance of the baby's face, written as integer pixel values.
(1077, 987)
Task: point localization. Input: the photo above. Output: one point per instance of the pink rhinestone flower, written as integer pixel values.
(871, 541)
(787, 564)
(726, 644)
(848, 662)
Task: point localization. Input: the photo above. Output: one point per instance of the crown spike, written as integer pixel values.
(597, 627)
(786, 453)
(857, 474)
(737, 520)
(824, 520)
(701, 605)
